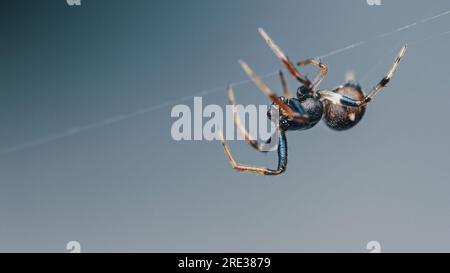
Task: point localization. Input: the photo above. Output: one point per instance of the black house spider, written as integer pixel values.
(341, 108)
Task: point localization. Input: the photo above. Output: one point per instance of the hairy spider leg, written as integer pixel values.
(323, 70)
(285, 60)
(350, 75)
(237, 122)
(285, 109)
(377, 88)
(282, 158)
(346, 101)
(286, 92)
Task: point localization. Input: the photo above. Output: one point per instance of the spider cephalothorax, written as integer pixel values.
(308, 105)
(341, 108)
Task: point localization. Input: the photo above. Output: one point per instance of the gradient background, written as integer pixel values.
(128, 186)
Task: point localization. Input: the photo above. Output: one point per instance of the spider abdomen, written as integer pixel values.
(339, 117)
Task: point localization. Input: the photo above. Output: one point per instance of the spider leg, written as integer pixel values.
(339, 99)
(284, 59)
(237, 122)
(285, 109)
(346, 101)
(323, 70)
(350, 75)
(282, 158)
(287, 93)
(375, 90)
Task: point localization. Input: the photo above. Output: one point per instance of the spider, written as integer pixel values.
(341, 108)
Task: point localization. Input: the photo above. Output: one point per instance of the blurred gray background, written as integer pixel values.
(127, 186)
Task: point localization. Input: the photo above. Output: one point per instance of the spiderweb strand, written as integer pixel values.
(115, 119)
(400, 29)
(122, 117)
